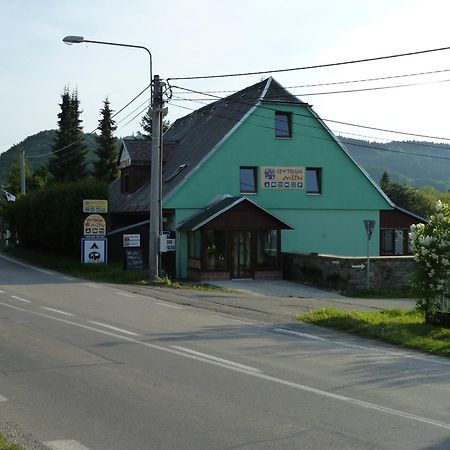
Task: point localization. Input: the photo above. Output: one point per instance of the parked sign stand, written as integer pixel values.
(94, 245)
(94, 250)
(369, 225)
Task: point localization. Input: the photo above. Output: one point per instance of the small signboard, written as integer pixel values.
(131, 240)
(369, 225)
(94, 250)
(133, 259)
(171, 245)
(282, 177)
(95, 206)
(94, 225)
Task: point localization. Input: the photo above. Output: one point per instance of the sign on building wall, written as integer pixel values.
(282, 177)
(131, 240)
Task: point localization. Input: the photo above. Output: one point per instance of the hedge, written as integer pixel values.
(52, 218)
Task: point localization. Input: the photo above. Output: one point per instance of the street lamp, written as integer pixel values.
(155, 176)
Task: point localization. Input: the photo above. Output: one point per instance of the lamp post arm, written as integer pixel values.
(131, 46)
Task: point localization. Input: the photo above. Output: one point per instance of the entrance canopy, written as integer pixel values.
(234, 213)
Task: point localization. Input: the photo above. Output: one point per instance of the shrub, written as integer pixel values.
(52, 218)
(431, 248)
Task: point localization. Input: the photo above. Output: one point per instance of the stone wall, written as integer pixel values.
(349, 273)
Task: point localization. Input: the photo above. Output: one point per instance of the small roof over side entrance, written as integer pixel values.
(234, 213)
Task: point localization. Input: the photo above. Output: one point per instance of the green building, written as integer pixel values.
(249, 177)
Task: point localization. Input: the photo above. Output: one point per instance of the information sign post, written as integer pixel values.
(369, 225)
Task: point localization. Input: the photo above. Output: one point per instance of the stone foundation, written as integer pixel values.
(349, 273)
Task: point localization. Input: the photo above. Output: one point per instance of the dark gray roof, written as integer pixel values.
(138, 149)
(198, 220)
(193, 137)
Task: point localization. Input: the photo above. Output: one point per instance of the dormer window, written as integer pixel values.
(283, 124)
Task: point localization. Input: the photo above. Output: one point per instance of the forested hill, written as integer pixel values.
(39, 144)
(403, 162)
(400, 159)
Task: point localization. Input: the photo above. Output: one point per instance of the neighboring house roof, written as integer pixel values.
(200, 219)
(134, 151)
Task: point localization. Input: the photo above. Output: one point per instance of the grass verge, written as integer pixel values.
(396, 326)
(109, 273)
(6, 445)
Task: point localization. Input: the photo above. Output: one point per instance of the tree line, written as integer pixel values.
(68, 159)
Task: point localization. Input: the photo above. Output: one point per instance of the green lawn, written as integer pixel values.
(5, 445)
(400, 327)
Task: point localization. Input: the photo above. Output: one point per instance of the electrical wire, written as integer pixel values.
(237, 121)
(91, 132)
(333, 83)
(325, 119)
(316, 66)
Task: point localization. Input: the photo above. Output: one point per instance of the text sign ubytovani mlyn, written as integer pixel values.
(95, 206)
(282, 177)
(94, 225)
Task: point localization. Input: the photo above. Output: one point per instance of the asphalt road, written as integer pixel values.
(92, 366)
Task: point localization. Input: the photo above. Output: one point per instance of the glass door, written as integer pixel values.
(242, 256)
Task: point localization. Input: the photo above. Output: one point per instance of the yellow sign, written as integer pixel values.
(95, 206)
(283, 177)
(94, 225)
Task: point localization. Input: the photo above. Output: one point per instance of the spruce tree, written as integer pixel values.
(146, 124)
(68, 161)
(105, 168)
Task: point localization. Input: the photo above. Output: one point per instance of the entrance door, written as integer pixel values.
(242, 255)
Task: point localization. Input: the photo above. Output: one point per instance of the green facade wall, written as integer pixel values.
(330, 222)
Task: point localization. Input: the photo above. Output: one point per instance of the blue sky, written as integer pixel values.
(209, 37)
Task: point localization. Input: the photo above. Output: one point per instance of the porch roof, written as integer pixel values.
(218, 208)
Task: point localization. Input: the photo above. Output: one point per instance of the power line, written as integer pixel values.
(94, 130)
(316, 66)
(368, 146)
(325, 119)
(332, 83)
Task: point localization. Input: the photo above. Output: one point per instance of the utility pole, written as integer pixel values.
(155, 181)
(22, 174)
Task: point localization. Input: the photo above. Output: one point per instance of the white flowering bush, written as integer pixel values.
(431, 248)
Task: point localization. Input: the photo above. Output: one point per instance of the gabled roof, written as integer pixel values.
(137, 150)
(216, 209)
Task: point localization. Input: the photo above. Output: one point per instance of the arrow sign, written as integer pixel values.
(358, 266)
(94, 245)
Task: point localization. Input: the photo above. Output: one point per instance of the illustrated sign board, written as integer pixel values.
(283, 177)
(95, 206)
(94, 250)
(166, 244)
(131, 240)
(94, 225)
(134, 259)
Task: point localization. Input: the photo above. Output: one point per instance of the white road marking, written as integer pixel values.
(114, 328)
(125, 294)
(379, 351)
(262, 376)
(93, 285)
(2, 292)
(21, 299)
(168, 305)
(215, 358)
(68, 278)
(296, 333)
(3, 399)
(28, 266)
(68, 444)
(57, 311)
